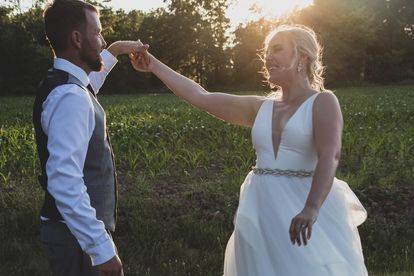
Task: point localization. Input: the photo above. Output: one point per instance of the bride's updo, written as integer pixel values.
(305, 42)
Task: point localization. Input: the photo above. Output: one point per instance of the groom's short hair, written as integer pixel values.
(61, 17)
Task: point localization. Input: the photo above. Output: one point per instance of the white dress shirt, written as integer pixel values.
(68, 120)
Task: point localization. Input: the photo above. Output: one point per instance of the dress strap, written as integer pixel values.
(263, 110)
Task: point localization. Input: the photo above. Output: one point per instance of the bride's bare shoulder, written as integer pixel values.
(326, 99)
(326, 107)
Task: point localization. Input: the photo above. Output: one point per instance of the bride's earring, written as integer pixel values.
(300, 67)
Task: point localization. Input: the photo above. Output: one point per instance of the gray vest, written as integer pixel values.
(99, 168)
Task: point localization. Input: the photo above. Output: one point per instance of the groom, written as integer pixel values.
(76, 158)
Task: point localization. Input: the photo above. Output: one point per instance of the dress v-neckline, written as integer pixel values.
(276, 152)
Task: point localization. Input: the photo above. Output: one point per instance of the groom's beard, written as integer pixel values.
(91, 57)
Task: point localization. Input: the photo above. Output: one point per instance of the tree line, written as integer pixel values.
(365, 41)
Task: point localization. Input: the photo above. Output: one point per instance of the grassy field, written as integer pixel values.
(180, 172)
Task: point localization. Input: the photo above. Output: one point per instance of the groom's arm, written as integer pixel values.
(68, 121)
(109, 59)
(97, 79)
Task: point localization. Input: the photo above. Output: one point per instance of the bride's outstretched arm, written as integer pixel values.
(235, 109)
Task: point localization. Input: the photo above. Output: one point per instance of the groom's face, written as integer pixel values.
(93, 42)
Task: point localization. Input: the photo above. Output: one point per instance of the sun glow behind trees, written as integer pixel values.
(240, 11)
(247, 10)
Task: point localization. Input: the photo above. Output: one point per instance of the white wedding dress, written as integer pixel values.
(260, 244)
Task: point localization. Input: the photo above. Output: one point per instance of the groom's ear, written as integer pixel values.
(76, 39)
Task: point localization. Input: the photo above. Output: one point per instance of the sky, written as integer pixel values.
(238, 12)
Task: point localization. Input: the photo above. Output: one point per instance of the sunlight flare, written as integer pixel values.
(247, 10)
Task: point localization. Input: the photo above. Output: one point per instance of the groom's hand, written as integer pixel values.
(126, 47)
(113, 267)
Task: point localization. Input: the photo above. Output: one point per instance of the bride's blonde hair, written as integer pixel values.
(305, 42)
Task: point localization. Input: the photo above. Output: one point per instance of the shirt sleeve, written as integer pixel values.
(68, 121)
(97, 79)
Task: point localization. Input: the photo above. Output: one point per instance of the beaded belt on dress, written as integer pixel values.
(299, 173)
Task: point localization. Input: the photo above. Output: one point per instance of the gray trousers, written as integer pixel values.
(66, 257)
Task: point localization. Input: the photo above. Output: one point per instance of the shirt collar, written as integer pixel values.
(74, 70)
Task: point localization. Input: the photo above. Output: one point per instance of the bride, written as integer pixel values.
(294, 217)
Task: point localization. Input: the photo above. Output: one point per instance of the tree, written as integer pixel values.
(364, 41)
(196, 32)
(345, 28)
(392, 50)
(23, 51)
(248, 42)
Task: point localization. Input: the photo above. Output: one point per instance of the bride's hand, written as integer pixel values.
(302, 224)
(141, 61)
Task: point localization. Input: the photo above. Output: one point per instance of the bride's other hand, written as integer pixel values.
(301, 225)
(125, 47)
